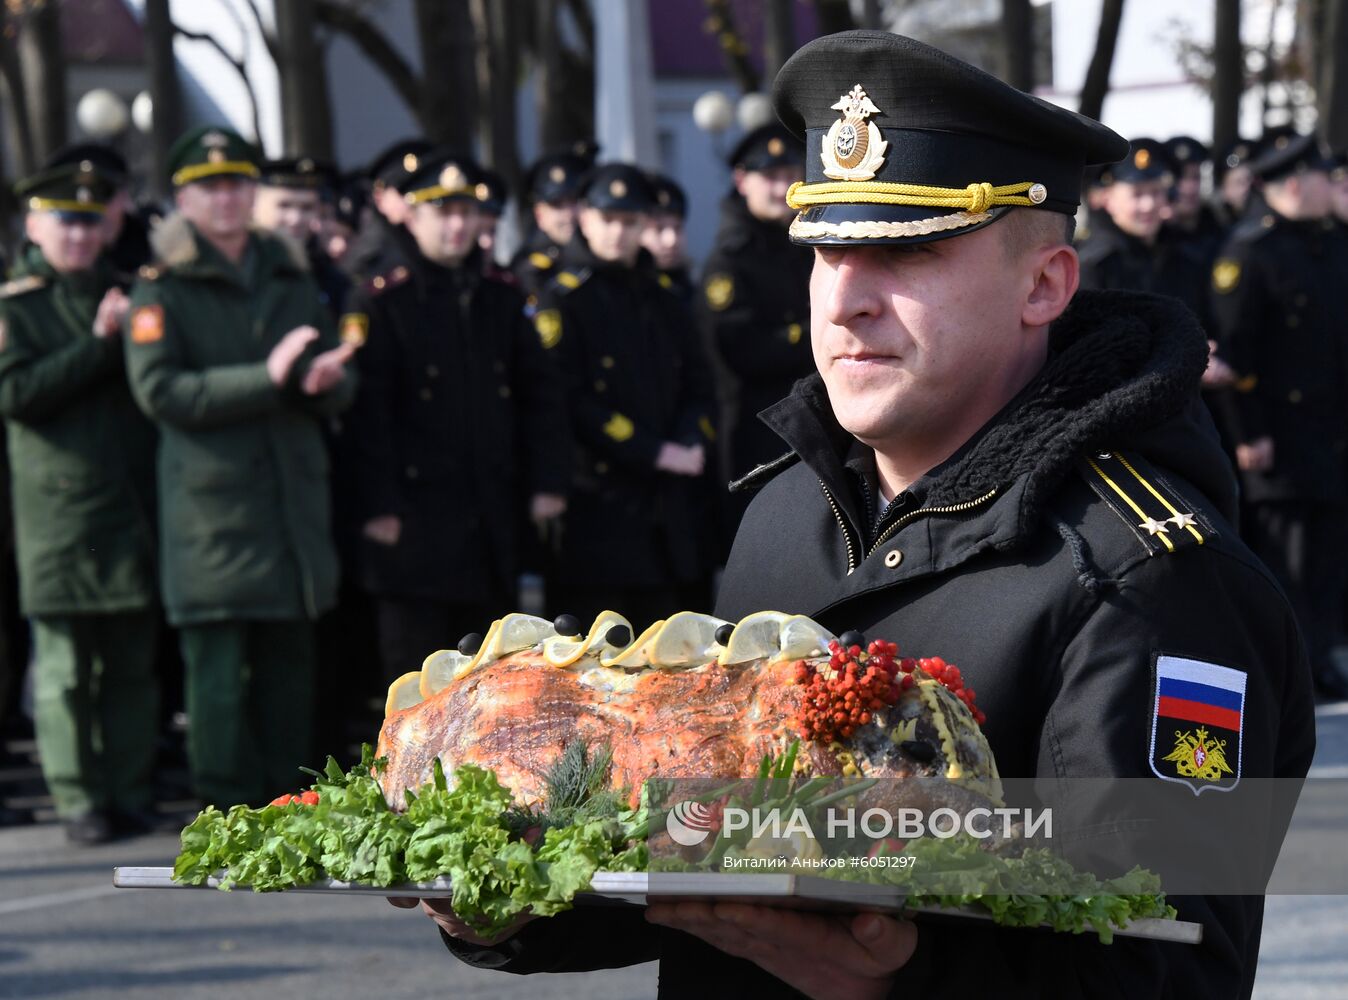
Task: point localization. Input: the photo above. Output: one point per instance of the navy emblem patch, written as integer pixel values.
(1197, 721)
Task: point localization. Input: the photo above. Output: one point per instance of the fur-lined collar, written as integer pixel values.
(175, 243)
(1121, 365)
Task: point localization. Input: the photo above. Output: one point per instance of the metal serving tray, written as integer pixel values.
(639, 888)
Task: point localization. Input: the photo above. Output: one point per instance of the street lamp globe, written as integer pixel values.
(713, 112)
(754, 110)
(101, 114)
(142, 112)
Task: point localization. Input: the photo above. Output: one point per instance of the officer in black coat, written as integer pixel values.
(665, 236)
(554, 183)
(384, 242)
(1192, 221)
(640, 396)
(289, 201)
(988, 470)
(458, 425)
(756, 296)
(1276, 294)
(1130, 254)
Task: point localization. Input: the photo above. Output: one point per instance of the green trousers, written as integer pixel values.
(250, 696)
(96, 708)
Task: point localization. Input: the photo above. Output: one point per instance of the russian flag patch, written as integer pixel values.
(1196, 724)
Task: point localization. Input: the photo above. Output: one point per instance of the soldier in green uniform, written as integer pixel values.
(82, 480)
(231, 352)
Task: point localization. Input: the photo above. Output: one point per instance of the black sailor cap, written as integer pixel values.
(905, 143)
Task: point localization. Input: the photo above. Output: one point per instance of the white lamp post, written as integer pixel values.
(101, 114)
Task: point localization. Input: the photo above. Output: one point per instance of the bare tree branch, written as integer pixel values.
(375, 45)
(268, 39)
(239, 67)
(1096, 86)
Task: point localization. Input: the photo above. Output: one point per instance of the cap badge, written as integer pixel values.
(452, 179)
(214, 140)
(216, 156)
(410, 163)
(853, 149)
(83, 196)
(557, 175)
(305, 166)
(618, 188)
(775, 146)
(1142, 159)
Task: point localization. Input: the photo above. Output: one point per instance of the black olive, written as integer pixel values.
(723, 633)
(852, 638)
(568, 625)
(919, 750)
(470, 644)
(618, 635)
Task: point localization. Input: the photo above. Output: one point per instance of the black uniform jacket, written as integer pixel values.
(1277, 295)
(756, 308)
(1111, 259)
(458, 421)
(636, 377)
(1018, 567)
(536, 264)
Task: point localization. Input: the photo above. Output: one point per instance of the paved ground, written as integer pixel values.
(65, 932)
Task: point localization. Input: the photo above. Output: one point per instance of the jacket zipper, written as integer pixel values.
(907, 518)
(847, 535)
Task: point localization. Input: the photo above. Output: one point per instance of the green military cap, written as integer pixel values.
(905, 143)
(211, 151)
(70, 189)
(444, 176)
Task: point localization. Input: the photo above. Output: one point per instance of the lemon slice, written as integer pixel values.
(564, 650)
(802, 638)
(637, 654)
(403, 693)
(757, 637)
(685, 640)
(441, 667)
(511, 634)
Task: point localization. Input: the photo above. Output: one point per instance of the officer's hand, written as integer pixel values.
(327, 370)
(287, 351)
(1218, 374)
(546, 506)
(111, 313)
(1257, 456)
(848, 957)
(678, 460)
(442, 913)
(385, 530)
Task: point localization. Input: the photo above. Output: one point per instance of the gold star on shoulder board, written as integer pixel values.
(1154, 526)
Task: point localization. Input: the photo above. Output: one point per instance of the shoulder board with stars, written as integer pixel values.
(1158, 515)
(28, 283)
(381, 283)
